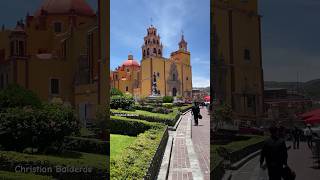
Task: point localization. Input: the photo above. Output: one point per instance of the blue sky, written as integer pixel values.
(290, 39)
(131, 18)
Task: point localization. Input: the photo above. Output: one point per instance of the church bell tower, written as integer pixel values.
(152, 46)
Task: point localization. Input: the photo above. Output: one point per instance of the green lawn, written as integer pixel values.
(171, 115)
(5, 175)
(118, 143)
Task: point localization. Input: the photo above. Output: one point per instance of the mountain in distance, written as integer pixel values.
(310, 89)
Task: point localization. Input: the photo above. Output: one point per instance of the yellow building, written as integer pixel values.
(59, 53)
(173, 75)
(237, 61)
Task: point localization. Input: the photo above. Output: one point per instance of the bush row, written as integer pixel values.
(123, 102)
(149, 117)
(40, 128)
(88, 145)
(93, 166)
(131, 127)
(135, 160)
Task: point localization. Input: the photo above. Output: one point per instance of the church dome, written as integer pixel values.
(130, 62)
(80, 7)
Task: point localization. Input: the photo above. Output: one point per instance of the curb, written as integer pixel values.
(239, 164)
(164, 168)
(174, 128)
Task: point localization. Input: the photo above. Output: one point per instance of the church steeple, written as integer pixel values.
(152, 45)
(183, 45)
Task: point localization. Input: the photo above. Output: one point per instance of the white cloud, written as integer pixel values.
(198, 81)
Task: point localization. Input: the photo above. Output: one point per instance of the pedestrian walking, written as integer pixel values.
(274, 153)
(308, 133)
(296, 134)
(196, 113)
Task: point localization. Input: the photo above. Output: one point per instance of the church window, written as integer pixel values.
(144, 53)
(12, 48)
(157, 41)
(154, 51)
(128, 69)
(159, 52)
(247, 55)
(158, 74)
(57, 27)
(148, 52)
(116, 76)
(148, 41)
(1, 81)
(154, 41)
(173, 77)
(187, 78)
(21, 48)
(127, 88)
(145, 42)
(54, 86)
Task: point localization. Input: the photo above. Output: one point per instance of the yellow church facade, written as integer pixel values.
(237, 74)
(173, 75)
(59, 53)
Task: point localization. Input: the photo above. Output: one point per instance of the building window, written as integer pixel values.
(57, 27)
(154, 41)
(157, 41)
(173, 77)
(1, 81)
(247, 55)
(116, 76)
(187, 78)
(128, 70)
(127, 88)
(145, 42)
(12, 48)
(54, 89)
(144, 53)
(148, 52)
(158, 74)
(21, 48)
(159, 52)
(154, 51)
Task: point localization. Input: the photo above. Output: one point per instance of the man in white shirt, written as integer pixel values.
(308, 134)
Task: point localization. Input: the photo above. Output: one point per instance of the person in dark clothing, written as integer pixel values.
(274, 152)
(296, 134)
(308, 133)
(195, 112)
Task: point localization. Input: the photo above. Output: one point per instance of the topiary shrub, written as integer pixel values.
(17, 96)
(123, 102)
(167, 99)
(115, 92)
(40, 128)
(168, 105)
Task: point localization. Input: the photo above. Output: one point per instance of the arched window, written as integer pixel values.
(148, 52)
(159, 52)
(154, 51)
(173, 77)
(127, 88)
(149, 41)
(154, 41)
(144, 53)
(145, 42)
(157, 41)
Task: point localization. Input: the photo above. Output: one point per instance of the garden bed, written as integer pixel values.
(142, 158)
(9, 160)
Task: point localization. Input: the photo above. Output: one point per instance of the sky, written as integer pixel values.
(14, 10)
(131, 18)
(290, 39)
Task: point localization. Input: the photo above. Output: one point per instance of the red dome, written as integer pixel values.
(130, 62)
(80, 7)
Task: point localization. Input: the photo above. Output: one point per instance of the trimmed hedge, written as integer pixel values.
(5, 175)
(97, 164)
(135, 160)
(131, 127)
(167, 99)
(40, 128)
(88, 145)
(168, 119)
(123, 102)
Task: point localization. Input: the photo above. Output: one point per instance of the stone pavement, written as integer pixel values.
(184, 164)
(299, 160)
(201, 140)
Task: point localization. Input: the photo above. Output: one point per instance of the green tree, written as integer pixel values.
(222, 114)
(115, 92)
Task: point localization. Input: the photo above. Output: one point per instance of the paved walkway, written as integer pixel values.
(201, 141)
(300, 160)
(184, 164)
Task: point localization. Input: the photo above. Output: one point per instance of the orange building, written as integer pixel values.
(58, 53)
(173, 74)
(237, 77)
